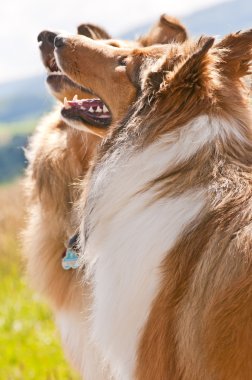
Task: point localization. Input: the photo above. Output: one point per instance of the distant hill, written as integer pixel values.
(24, 99)
(219, 19)
(31, 84)
(12, 158)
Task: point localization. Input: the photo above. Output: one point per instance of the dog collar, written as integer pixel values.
(70, 259)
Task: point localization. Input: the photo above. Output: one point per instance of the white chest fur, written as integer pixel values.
(74, 327)
(130, 236)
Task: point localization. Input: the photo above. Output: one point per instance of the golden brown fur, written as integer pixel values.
(201, 319)
(200, 323)
(199, 326)
(58, 157)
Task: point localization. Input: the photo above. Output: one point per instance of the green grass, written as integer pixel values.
(29, 343)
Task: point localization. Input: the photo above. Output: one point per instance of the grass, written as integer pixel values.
(30, 347)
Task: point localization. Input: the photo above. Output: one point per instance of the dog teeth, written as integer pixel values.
(104, 109)
(98, 109)
(91, 109)
(66, 105)
(75, 97)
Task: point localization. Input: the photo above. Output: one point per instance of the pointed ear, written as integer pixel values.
(166, 30)
(196, 72)
(93, 31)
(236, 54)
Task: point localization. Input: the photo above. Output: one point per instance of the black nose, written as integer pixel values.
(59, 41)
(47, 37)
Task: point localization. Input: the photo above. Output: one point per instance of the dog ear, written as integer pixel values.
(196, 72)
(236, 54)
(166, 30)
(93, 31)
(164, 73)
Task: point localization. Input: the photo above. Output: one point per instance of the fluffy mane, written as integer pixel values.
(166, 228)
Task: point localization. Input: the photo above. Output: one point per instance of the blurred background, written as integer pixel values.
(30, 347)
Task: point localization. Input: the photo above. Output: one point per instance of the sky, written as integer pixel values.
(22, 20)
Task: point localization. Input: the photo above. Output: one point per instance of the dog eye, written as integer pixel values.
(122, 60)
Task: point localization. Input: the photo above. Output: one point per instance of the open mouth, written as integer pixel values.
(87, 111)
(91, 111)
(53, 71)
(52, 66)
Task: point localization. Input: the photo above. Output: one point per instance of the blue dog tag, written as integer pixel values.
(70, 260)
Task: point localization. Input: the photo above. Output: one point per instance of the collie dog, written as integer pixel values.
(59, 157)
(166, 228)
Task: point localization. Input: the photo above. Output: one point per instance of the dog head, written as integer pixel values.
(59, 84)
(62, 87)
(192, 77)
(101, 111)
